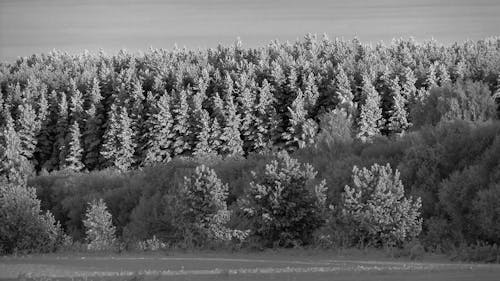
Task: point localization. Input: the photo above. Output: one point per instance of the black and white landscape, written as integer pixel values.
(249, 140)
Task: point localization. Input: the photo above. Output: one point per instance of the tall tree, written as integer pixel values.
(398, 120)
(159, 137)
(73, 161)
(231, 142)
(371, 114)
(28, 127)
(118, 146)
(180, 128)
(13, 164)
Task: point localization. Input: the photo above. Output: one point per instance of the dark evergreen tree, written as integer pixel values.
(231, 142)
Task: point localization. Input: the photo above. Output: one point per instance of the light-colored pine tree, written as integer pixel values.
(398, 120)
(118, 146)
(13, 164)
(74, 157)
(28, 127)
(370, 118)
(99, 229)
(159, 136)
(180, 108)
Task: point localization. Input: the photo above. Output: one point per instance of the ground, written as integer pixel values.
(273, 265)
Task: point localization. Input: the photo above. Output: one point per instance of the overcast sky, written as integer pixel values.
(34, 26)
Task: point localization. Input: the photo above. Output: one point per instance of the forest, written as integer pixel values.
(315, 143)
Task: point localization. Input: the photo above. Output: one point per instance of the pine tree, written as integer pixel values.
(344, 93)
(371, 113)
(93, 127)
(200, 126)
(311, 93)
(231, 142)
(75, 103)
(246, 105)
(13, 164)
(431, 80)
(46, 135)
(444, 76)
(180, 128)
(28, 127)
(60, 149)
(118, 146)
(263, 132)
(398, 120)
(99, 229)
(159, 136)
(409, 90)
(74, 157)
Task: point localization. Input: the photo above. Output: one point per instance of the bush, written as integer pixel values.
(206, 214)
(375, 208)
(285, 204)
(100, 231)
(23, 228)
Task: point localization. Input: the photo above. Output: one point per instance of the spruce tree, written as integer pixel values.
(409, 89)
(13, 164)
(200, 126)
(75, 103)
(231, 142)
(74, 156)
(263, 132)
(431, 80)
(398, 120)
(311, 93)
(344, 93)
(28, 127)
(61, 128)
(118, 146)
(159, 136)
(46, 135)
(371, 114)
(99, 229)
(180, 128)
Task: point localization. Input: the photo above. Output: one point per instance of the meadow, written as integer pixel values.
(270, 265)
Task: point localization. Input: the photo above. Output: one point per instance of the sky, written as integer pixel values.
(39, 26)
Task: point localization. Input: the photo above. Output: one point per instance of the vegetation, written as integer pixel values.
(168, 140)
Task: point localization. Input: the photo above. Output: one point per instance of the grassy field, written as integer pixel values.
(282, 265)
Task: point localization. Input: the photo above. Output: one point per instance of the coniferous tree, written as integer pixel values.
(99, 228)
(28, 127)
(370, 114)
(266, 120)
(73, 160)
(46, 135)
(180, 110)
(75, 103)
(159, 136)
(398, 120)
(13, 164)
(60, 149)
(344, 93)
(200, 126)
(409, 90)
(311, 93)
(431, 80)
(231, 142)
(118, 146)
(93, 128)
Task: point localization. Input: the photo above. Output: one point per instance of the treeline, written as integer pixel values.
(438, 187)
(94, 111)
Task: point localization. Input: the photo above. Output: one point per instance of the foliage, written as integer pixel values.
(23, 226)
(285, 203)
(100, 231)
(206, 214)
(376, 210)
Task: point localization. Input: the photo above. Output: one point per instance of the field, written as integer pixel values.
(282, 265)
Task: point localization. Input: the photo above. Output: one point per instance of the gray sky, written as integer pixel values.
(34, 26)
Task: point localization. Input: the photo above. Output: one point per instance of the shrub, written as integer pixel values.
(153, 244)
(285, 204)
(23, 228)
(206, 214)
(375, 208)
(100, 231)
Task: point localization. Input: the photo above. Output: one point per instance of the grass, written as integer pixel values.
(268, 265)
